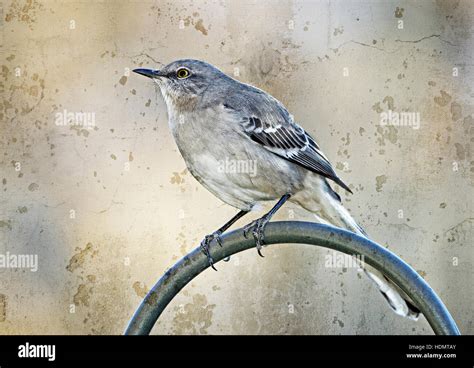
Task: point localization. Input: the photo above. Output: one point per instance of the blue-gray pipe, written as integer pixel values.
(326, 236)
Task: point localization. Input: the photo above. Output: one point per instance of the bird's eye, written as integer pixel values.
(182, 73)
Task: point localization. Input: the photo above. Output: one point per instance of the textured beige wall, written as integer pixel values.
(136, 210)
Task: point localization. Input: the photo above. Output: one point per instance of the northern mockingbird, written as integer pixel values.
(245, 148)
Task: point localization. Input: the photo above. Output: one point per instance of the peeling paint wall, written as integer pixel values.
(108, 205)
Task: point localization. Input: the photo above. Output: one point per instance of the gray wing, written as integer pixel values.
(290, 141)
(266, 121)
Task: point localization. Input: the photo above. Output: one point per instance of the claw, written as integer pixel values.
(205, 246)
(205, 250)
(257, 227)
(211, 262)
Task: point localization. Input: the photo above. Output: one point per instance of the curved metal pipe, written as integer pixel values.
(322, 235)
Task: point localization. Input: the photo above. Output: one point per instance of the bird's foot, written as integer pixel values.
(205, 245)
(257, 227)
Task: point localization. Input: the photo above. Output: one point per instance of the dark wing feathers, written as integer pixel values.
(266, 121)
(290, 141)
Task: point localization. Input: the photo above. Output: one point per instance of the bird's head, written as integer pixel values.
(184, 82)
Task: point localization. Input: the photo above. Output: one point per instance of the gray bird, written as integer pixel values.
(242, 145)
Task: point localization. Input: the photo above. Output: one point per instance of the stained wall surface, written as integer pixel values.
(108, 206)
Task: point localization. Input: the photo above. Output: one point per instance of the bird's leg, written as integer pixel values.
(258, 226)
(217, 236)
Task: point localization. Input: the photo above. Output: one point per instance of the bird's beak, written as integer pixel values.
(150, 73)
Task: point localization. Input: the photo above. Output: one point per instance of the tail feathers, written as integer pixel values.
(401, 304)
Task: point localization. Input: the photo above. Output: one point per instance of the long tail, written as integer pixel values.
(334, 212)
